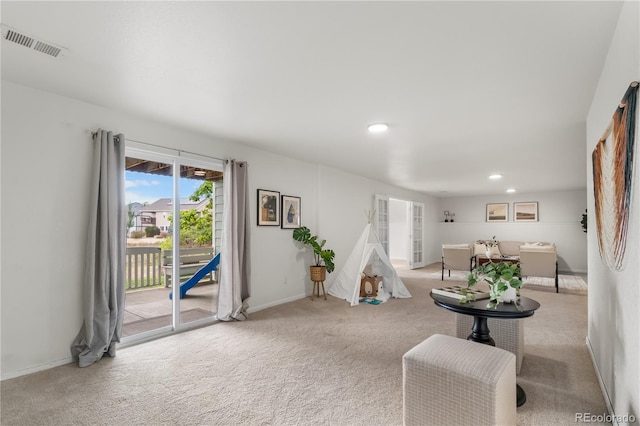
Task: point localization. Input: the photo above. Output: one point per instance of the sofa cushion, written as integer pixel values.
(529, 245)
(510, 248)
(544, 248)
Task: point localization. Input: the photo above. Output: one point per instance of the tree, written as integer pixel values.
(196, 227)
(131, 216)
(204, 191)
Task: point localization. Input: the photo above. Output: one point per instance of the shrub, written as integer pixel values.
(151, 231)
(137, 234)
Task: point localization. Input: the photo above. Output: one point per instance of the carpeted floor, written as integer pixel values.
(303, 363)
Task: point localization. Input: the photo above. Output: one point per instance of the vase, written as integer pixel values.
(488, 254)
(509, 296)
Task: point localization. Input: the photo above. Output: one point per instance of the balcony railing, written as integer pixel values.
(143, 267)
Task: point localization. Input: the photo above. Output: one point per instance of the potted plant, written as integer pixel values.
(488, 245)
(503, 279)
(323, 257)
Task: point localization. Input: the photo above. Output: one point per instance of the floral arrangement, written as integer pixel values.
(488, 243)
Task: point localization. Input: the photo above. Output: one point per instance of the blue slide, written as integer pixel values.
(191, 282)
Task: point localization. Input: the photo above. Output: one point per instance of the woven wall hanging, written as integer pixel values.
(612, 180)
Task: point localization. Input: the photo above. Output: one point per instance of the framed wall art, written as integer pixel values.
(290, 212)
(498, 212)
(268, 208)
(525, 212)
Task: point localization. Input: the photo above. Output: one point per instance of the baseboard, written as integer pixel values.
(603, 389)
(36, 368)
(277, 302)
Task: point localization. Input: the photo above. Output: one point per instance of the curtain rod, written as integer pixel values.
(179, 151)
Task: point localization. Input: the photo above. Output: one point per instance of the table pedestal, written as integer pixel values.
(480, 332)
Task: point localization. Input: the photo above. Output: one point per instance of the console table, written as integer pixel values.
(522, 308)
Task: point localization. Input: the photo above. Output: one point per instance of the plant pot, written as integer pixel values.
(488, 254)
(509, 296)
(318, 273)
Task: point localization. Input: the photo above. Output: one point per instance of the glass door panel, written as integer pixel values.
(417, 220)
(200, 229)
(381, 220)
(148, 197)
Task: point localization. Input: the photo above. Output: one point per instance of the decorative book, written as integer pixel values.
(456, 293)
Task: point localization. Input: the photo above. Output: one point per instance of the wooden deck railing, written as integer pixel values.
(143, 267)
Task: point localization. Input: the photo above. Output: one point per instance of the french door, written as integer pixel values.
(416, 222)
(381, 219)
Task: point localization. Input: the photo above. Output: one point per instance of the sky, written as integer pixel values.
(147, 188)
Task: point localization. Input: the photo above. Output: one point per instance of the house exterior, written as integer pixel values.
(159, 212)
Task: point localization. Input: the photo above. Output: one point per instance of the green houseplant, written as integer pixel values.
(322, 256)
(502, 277)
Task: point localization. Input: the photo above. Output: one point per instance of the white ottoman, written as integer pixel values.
(507, 333)
(451, 381)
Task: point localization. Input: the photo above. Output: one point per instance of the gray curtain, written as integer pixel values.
(234, 252)
(105, 254)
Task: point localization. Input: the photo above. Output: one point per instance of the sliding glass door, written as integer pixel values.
(174, 207)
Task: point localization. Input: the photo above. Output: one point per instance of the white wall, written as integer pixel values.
(559, 215)
(45, 165)
(343, 199)
(614, 297)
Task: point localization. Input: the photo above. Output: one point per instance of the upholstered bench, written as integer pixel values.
(507, 333)
(447, 380)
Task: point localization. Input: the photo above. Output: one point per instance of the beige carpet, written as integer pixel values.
(303, 363)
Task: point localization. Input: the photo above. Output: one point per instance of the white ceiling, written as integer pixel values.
(468, 88)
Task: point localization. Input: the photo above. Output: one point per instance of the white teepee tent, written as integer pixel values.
(347, 285)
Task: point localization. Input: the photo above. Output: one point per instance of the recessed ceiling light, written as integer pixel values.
(511, 190)
(495, 176)
(378, 127)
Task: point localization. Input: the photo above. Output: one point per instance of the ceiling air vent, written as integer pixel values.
(47, 48)
(21, 39)
(30, 42)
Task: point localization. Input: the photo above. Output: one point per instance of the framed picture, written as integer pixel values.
(498, 212)
(290, 212)
(525, 212)
(268, 208)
